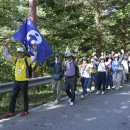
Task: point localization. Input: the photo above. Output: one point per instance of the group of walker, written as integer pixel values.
(104, 73)
(107, 72)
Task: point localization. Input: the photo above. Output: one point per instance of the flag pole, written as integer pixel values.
(33, 16)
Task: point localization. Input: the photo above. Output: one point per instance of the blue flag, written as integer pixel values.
(28, 35)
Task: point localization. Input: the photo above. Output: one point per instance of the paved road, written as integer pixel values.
(97, 112)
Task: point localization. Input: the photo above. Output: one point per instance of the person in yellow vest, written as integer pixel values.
(21, 78)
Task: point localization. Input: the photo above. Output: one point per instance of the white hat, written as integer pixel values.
(116, 55)
(68, 52)
(20, 49)
(68, 55)
(102, 57)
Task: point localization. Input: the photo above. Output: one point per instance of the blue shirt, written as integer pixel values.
(116, 65)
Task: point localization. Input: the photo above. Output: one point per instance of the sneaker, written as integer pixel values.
(113, 87)
(24, 113)
(102, 92)
(9, 114)
(98, 92)
(71, 103)
(69, 100)
(76, 92)
(82, 96)
(88, 90)
(108, 88)
(121, 87)
(92, 88)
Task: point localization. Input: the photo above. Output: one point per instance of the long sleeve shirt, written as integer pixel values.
(57, 67)
(116, 64)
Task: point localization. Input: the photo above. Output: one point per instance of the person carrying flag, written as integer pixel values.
(21, 78)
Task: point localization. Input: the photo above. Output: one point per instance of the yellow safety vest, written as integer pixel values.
(20, 68)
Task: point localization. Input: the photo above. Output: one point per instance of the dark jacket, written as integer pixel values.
(57, 69)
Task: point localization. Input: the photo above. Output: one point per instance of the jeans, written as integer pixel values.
(93, 79)
(23, 86)
(70, 87)
(86, 83)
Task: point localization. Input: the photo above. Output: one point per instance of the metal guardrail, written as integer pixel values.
(8, 87)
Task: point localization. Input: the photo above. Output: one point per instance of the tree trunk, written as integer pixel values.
(98, 39)
(32, 11)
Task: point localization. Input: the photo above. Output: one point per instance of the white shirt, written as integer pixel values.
(85, 70)
(102, 67)
(125, 65)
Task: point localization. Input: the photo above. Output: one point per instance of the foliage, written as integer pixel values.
(99, 25)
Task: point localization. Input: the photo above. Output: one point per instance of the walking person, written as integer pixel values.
(70, 71)
(93, 71)
(125, 70)
(116, 68)
(129, 61)
(109, 74)
(57, 76)
(21, 78)
(76, 60)
(101, 75)
(85, 77)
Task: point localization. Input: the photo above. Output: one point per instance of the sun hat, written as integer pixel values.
(68, 55)
(102, 57)
(116, 55)
(20, 49)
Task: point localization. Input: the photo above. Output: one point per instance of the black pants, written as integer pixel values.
(76, 78)
(70, 87)
(101, 80)
(23, 86)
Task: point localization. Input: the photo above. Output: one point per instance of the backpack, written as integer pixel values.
(29, 68)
